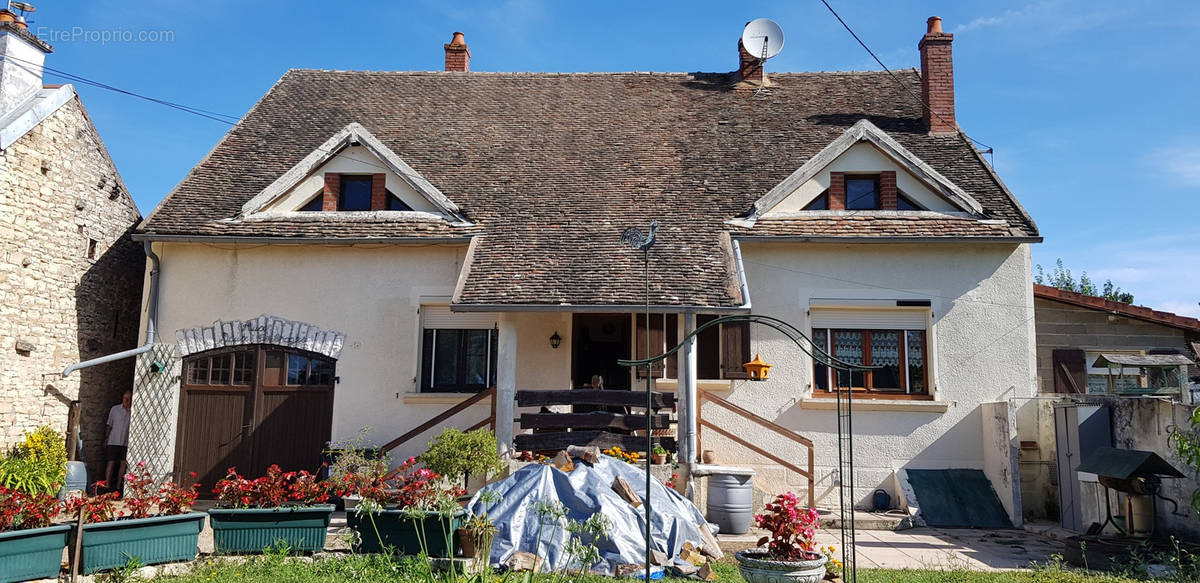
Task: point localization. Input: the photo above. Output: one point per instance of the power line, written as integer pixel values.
(908, 89)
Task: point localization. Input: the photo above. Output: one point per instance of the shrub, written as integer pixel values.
(36, 465)
(792, 527)
(456, 454)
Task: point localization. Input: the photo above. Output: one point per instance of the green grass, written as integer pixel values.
(277, 568)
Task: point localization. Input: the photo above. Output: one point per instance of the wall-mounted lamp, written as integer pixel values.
(555, 340)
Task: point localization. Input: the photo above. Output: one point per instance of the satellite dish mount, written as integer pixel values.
(763, 39)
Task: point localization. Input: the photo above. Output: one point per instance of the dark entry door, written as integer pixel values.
(251, 407)
(598, 342)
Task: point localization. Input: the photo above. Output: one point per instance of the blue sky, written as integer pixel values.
(1090, 105)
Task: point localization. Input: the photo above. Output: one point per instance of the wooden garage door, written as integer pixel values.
(251, 407)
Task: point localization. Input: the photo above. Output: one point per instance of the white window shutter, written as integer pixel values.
(434, 317)
(870, 319)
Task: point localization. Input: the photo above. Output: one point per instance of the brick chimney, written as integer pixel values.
(750, 68)
(937, 78)
(458, 56)
(23, 56)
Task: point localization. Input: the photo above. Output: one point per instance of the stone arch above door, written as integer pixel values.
(261, 330)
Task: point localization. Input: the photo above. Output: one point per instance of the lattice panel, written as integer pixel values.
(155, 410)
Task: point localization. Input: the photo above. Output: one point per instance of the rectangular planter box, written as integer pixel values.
(400, 532)
(35, 553)
(250, 530)
(154, 540)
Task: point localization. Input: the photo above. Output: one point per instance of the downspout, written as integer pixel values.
(150, 318)
(741, 270)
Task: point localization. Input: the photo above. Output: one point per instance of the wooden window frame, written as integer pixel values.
(869, 376)
(343, 180)
(258, 368)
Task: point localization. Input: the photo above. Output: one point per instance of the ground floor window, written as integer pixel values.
(458, 360)
(902, 354)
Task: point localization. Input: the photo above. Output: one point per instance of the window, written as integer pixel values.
(355, 193)
(314, 205)
(395, 204)
(900, 353)
(238, 368)
(821, 203)
(458, 360)
(904, 203)
(862, 193)
(1102, 380)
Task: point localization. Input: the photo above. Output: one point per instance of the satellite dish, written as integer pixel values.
(23, 6)
(763, 38)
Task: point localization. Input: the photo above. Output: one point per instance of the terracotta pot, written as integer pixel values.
(708, 457)
(658, 459)
(466, 540)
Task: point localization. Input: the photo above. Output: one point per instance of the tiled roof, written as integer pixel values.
(877, 224)
(552, 167)
(1095, 303)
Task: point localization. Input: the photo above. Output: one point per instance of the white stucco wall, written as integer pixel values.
(981, 346)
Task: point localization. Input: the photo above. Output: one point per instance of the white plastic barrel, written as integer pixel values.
(731, 502)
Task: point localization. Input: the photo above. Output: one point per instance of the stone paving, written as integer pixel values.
(933, 548)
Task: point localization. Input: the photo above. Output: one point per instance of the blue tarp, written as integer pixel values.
(584, 492)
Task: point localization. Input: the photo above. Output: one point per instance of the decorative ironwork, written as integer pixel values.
(844, 371)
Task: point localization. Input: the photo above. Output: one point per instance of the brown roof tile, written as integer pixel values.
(552, 167)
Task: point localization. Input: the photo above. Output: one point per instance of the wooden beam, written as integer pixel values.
(588, 397)
(602, 439)
(439, 420)
(592, 420)
(758, 450)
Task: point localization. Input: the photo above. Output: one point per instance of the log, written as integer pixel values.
(563, 462)
(593, 420)
(706, 573)
(659, 558)
(693, 556)
(708, 544)
(627, 569)
(622, 488)
(588, 397)
(684, 570)
(589, 454)
(523, 561)
(563, 439)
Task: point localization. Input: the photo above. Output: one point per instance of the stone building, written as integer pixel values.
(70, 275)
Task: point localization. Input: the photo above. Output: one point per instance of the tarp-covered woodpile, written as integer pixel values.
(586, 489)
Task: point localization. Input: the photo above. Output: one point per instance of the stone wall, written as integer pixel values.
(70, 279)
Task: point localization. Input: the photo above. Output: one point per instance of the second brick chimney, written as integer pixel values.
(937, 78)
(458, 56)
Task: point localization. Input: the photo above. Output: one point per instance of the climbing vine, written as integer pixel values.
(1187, 447)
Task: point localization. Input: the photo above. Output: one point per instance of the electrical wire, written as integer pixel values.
(892, 74)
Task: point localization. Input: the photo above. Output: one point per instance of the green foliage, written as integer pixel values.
(1062, 278)
(455, 454)
(36, 465)
(1187, 447)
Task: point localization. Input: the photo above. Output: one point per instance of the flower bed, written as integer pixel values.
(278, 509)
(149, 541)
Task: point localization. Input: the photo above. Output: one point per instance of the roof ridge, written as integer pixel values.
(575, 73)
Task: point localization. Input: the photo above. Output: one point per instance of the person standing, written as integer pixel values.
(116, 442)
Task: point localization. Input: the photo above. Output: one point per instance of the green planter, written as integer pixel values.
(400, 532)
(35, 553)
(154, 540)
(250, 530)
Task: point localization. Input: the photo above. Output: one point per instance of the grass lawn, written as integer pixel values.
(382, 568)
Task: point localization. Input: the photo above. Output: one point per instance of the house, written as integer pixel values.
(69, 273)
(367, 249)
(1110, 374)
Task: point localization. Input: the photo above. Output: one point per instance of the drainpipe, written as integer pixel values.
(150, 318)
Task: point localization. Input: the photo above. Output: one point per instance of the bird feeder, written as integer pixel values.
(757, 369)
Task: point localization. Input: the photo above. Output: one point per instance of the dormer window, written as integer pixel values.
(862, 192)
(314, 205)
(904, 203)
(395, 204)
(355, 193)
(821, 203)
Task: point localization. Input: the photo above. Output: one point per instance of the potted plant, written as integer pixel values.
(456, 455)
(658, 455)
(790, 554)
(287, 508)
(476, 536)
(30, 547)
(348, 458)
(409, 510)
(150, 525)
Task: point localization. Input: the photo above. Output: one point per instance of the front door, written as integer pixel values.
(250, 407)
(599, 341)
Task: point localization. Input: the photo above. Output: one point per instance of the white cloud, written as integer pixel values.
(1050, 16)
(1181, 163)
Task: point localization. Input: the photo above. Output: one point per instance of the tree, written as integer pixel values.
(1062, 278)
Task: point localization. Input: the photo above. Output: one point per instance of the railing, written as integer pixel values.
(763, 422)
(446, 415)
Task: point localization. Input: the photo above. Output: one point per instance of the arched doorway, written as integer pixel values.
(252, 406)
